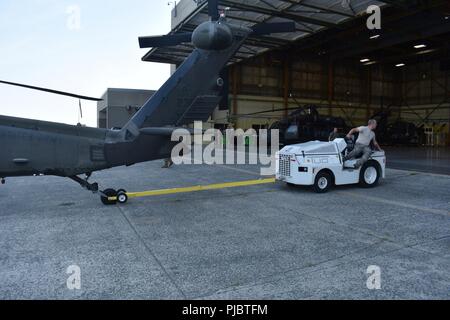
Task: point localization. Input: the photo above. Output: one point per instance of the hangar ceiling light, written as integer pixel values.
(420, 46)
(400, 65)
(364, 60)
(426, 51)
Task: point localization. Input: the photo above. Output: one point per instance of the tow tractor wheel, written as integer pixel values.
(122, 197)
(107, 194)
(370, 175)
(323, 182)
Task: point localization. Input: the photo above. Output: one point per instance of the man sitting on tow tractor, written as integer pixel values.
(362, 147)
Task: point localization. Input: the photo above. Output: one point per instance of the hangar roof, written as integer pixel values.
(310, 16)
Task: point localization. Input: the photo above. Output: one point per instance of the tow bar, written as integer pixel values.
(123, 196)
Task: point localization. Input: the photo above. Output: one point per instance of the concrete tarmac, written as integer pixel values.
(259, 242)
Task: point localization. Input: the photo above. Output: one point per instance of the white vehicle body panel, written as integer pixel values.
(300, 163)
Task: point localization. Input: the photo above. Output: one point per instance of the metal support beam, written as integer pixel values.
(420, 26)
(369, 92)
(235, 77)
(330, 87)
(317, 7)
(245, 19)
(275, 13)
(446, 86)
(401, 3)
(286, 84)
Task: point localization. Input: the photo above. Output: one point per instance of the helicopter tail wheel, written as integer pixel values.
(106, 195)
(122, 197)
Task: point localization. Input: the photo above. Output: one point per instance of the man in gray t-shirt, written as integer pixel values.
(362, 147)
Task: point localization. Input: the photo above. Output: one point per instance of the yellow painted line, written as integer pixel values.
(197, 188)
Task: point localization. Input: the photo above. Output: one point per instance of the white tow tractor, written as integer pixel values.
(321, 165)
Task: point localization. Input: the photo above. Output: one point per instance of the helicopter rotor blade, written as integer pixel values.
(275, 27)
(62, 93)
(213, 10)
(165, 41)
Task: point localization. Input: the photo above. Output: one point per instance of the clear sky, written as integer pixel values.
(80, 46)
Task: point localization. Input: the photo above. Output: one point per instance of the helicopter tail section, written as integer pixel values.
(187, 96)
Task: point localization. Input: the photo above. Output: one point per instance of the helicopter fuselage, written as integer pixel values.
(32, 147)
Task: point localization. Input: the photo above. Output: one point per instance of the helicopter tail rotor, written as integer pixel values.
(175, 39)
(214, 34)
(213, 10)
(165, 41)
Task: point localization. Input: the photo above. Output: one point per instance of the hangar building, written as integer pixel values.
(333, 61)
(119, 105)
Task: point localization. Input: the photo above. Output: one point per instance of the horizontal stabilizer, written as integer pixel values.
(163, 131)
(165, 41)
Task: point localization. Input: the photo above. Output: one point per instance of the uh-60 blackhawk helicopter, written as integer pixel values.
(32, 147)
